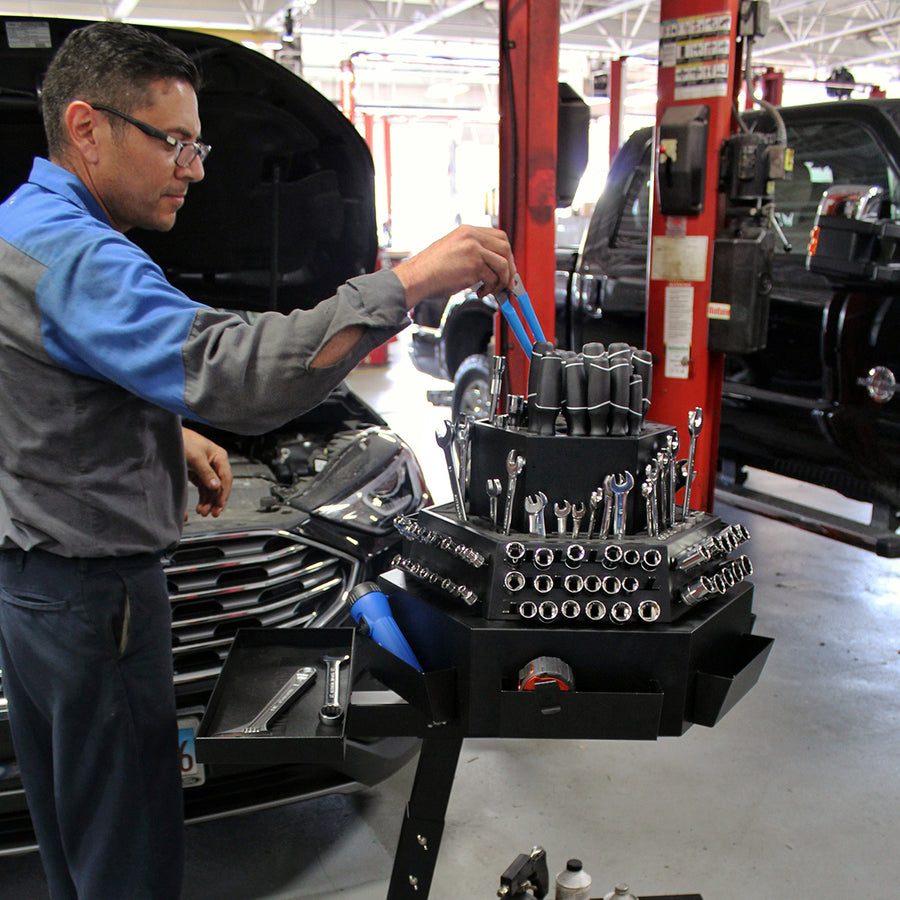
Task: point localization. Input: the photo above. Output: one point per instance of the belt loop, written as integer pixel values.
(20, 560)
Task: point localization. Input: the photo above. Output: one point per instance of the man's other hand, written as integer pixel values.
(209, 470)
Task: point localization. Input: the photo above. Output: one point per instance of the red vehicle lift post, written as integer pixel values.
(529, 74)
(699, 66)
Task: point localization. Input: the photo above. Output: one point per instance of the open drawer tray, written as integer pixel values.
(260, 662)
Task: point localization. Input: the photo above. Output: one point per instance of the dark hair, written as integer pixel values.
(112, 64)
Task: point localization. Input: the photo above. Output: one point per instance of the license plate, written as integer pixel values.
(192, 772)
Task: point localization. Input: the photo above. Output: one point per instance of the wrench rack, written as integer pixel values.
(564, 467)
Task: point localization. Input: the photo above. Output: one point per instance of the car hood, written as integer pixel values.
(286, 211)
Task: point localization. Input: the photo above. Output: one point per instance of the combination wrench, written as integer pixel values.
(445, 442)
(494, 488)
(534, 506)
(514, 466)
(695, 423)
(332, 712)
(620, 493)
(562, 511)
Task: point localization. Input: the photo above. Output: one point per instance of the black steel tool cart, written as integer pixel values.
(628, 622)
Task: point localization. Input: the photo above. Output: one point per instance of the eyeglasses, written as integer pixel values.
(185, 151)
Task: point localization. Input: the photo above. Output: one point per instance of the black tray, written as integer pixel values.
(260, 661)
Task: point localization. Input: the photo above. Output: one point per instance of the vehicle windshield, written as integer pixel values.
(828, 153)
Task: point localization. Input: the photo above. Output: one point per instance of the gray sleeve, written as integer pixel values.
(249, 378)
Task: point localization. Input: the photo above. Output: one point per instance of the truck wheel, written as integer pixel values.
(472, 388)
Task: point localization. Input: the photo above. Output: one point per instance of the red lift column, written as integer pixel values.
(529, 101)
(698, 67)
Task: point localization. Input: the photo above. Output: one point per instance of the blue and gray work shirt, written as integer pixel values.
(100, 357)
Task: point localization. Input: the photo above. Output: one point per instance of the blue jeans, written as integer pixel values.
(86, 650)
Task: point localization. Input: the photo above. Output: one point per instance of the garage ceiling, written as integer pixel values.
(457, 39)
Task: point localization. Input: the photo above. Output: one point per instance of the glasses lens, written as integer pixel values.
(189, 152)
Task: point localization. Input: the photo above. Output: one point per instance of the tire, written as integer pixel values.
(472, 388)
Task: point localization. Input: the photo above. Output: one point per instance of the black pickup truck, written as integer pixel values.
(817, 404)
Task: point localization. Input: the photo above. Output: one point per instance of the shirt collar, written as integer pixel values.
(61, 181)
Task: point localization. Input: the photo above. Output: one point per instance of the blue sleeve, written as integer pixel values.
(107, 311)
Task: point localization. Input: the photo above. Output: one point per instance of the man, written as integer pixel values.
(99, 359)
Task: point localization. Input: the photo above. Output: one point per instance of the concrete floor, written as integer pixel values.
(793, 794)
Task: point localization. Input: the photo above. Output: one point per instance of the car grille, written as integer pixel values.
(222, 582)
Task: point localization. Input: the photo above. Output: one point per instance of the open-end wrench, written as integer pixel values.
(608, 502)
(332, 712)
(650, 502)
(578, 511)
(514, 466)
(596, 500)
(498, 367)
(494, 489)
(652, 473)
(562, 510)
(662, 461)
(534, 506)
(445, 442)
(672, 444)
(620, 492)
(463, 437)
(695, 423)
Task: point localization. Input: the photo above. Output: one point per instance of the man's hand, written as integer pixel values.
(467, 256)
(209, 470)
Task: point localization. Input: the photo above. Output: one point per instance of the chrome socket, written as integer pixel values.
(694, 556)
(574, 584)
(612, 556)
(698, 590)
(543, 557)
(630, 584)
(575, 555)
(649, 610)
(570, 609)
(528, 609)
(611, 585)
(651, 559)
(595, 610)
(620, 612)
(593, 584)
(631, 557)
(548, 610)
(543, 584)
(515, 551)
(514, 581)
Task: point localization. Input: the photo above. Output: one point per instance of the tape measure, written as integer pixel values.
(546, 670)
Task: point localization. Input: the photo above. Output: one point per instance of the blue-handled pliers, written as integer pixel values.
(515, 323)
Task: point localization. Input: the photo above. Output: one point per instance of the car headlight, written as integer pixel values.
(392, 484)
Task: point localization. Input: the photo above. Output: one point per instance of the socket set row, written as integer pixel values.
(529, 578)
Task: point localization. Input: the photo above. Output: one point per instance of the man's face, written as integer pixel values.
(137, 182)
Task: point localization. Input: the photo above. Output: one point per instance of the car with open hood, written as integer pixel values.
(285, 214)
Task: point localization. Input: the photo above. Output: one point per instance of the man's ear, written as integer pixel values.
(83, 136)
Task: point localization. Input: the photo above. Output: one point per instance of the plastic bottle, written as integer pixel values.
(573, 883)
(620, 892)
